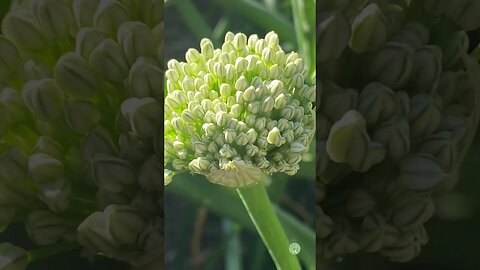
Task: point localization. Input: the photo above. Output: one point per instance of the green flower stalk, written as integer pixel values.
(236, 115)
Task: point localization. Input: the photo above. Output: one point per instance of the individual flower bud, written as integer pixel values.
(239, 41)
(108, 60)
(81, 116)
(44, 227)
(453, 46)
(11, 104)
(404, 250)
(49, 146)
(87, 39)
(73, 75)
(98, 141)
(43, 97)
(21, 27)
(167, 176)
(333, 34)
(427, 67)
(395, 135)
(132, 148)
(14, 165)
(92, 234)
(411, 210)
(44, 168)
(35, 71)
(136, 40)
(376, 233)
(274, 137)
(442, 146)
(84, 10)
(374, 155)
(123, 223)
(369, 30)
(360, 203)
(13, 257)
(424, 116)
(145, 80)
(348, 140)
(376, 103)
(112, 174)
(420, 172)
(206, 47)
(337, 101)
(109, 15)
(463, 14)
(56, 195)
(392, 65)
(143, 115)
(9, 58)
(341, 240)
(54, 17)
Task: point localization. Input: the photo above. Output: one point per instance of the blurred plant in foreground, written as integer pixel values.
(80, 103)
(398, 111)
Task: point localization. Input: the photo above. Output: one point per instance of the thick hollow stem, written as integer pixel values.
(262, 213)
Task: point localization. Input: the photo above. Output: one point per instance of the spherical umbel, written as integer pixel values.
(239, 113)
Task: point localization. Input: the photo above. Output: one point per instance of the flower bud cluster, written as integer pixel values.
(398, 110)
(238, 113)
(81, 90)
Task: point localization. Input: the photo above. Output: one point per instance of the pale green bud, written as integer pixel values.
(206, 47)
(43, 97)
(111, 173)
(333, 34)
(252, 62)
(420, 172)
(21, 27)
(239, 41)
(274, 137)
(290, 69)
(267, 105)
(44, 227)
(392, 65)
(143, 115)
(108, 17)
(109, 60)
(241, 65)
(136, 40)
(249, 94)
(13, 257)
(369, 30)
(54, 17)
(56, 195)
(73, 75)
(44, 168)
(81, 116)
(279, 58)
(144, 79)
(252, 40)
(9, 58)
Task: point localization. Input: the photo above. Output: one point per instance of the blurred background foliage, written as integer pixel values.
(206, 226)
